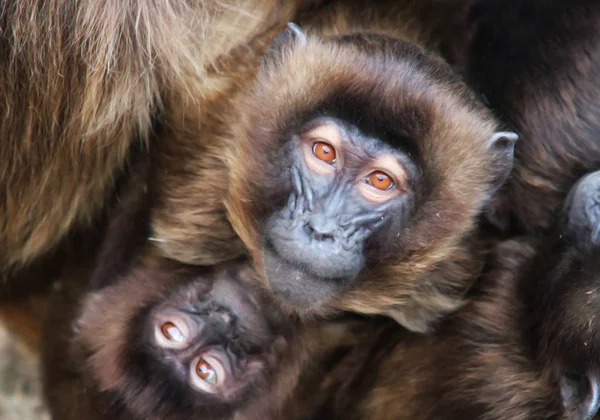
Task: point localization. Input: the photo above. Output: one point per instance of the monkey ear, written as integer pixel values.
(502, 147)
(290, 38)
(581, 215)
(581, 396)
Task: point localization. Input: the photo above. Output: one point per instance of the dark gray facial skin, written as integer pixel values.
(222, 327)
(316, 244)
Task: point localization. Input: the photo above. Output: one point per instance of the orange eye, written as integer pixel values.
(324, 152)
(171, 332)
(380, 180)
(206, 372)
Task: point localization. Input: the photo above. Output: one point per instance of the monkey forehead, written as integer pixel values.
(340, 132)
(393, 89)
(246, 303)
(386, 83)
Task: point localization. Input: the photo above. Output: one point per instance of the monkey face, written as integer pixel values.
(215, 342)
(183, 342)
(360, 167)
(346, 187)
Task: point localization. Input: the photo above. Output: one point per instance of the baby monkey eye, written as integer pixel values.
(206, 372)
(324, 151)
(380, 180)
(172, 333)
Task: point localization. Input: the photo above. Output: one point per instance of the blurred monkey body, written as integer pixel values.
(544, 81)
(81, 86)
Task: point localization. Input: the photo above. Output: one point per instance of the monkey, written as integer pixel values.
(180, 342)
(82, 87)
(541, 80)
(170, 342)
(525, 346)
(111, 84)
(356, 167)
(132, 335)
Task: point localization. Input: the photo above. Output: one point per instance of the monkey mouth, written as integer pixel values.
(324, 260)
(295, 284)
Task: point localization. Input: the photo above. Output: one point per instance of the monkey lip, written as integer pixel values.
(294, 284)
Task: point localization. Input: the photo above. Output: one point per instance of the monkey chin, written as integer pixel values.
(295, 285)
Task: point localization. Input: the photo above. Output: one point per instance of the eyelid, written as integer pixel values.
(329, 133)
(218, 366)
(389, 165)
(180, 322)
(324, 133)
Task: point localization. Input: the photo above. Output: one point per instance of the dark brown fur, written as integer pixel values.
(533, 320)
(543, 79)
(482, 363)
(434, 264)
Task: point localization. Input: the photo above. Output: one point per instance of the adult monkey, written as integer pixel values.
(359, 163)
(527, 344)
(80, 84)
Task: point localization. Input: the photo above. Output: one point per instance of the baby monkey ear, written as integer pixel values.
(290, 38)
(581, 215)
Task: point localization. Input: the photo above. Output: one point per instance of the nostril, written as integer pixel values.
(324, 237)
(317, 234)
(309, 230)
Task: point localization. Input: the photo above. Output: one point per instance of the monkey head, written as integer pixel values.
(184, 343)
(567, 304)
(360, 167)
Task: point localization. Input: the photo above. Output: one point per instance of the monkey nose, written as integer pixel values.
(320, 229)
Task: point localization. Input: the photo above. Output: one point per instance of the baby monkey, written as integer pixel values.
(168, 341)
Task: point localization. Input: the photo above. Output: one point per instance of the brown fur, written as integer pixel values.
(478, 365)
(80, 85)
(543, 79)
(435, 262)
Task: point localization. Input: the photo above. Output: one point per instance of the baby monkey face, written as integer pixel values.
(218, 340)
(181, 342)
